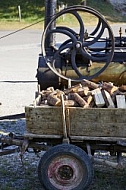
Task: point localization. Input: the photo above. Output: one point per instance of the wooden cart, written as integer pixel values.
(70, 136)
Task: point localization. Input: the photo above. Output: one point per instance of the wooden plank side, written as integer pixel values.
(98, 129)
(97, 122)
(111, 139)
(44, 120)
(99, 115)
(47, 120)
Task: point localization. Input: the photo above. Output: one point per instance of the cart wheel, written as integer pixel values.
(65, 167)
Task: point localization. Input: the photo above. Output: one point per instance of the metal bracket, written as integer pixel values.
(89, 150)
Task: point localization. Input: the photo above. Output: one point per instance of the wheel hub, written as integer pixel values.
(65, 172)
(78, 45)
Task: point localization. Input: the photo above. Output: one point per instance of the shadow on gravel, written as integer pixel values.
(14, 116)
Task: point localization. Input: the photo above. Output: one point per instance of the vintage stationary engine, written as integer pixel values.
(85, 52)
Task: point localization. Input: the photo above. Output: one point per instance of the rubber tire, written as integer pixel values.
(66, 150)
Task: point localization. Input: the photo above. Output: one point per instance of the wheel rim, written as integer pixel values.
(76, 44)
(65, 172)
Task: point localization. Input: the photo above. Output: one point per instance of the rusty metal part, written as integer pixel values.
(12, 140)
(7, 140)
(65, 168)
(9, 151)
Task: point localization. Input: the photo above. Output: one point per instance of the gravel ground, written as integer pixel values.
(15, 176)
(18, 67)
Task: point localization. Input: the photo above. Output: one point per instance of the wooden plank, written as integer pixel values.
(108, 100)
(121, 102)
(98, 129)
(45, 120)
(90, 84)
(107, 139)
(79, 100)
(32, 136)
(97, 115)
(98, 122)
(98, 97)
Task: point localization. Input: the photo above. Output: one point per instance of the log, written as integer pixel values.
(73, 89)
(51, 89)
(109, 87)
(83, 91)
(108, 100)
(45, 94)
(122, 88)
(53, 100)
(87, 94)
(89, 84)
(59, 93)
(79, 100)
(88, 99)
(70, 103)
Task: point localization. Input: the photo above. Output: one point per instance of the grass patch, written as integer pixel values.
(33, 10)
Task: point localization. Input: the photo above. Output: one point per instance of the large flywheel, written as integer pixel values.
(79, 49)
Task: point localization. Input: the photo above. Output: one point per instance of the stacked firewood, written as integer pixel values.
(87, 94)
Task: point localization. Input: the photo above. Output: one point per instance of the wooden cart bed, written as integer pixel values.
(94, 122)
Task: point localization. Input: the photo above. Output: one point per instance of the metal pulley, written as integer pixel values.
(77, 51)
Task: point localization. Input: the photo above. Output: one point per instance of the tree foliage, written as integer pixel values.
(34, 9)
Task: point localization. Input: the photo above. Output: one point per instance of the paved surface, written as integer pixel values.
(18, 63)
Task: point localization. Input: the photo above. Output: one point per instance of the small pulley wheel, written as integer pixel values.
(81, 51)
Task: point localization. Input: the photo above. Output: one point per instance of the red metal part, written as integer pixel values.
(65, 172)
